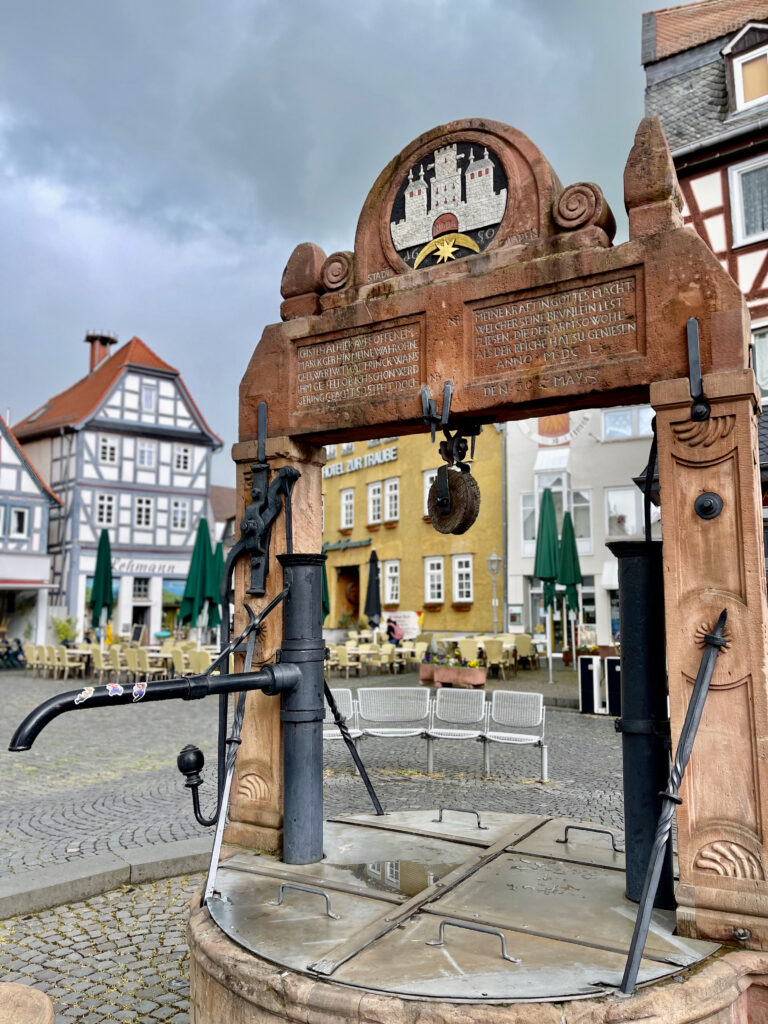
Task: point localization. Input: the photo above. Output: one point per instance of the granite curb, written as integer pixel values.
(31, 891)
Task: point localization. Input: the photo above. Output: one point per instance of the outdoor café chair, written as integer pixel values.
(348, 709)
(513, 711)
(496, 656)
(132, 663)
(393, 712)
(452, 708)
(53, 665)
(180, 664)
(468, 649)
(116, 663)
(70, 660)
(99, 667)
(526, 652)
(145, 670)
(30, 656)
(345, 661)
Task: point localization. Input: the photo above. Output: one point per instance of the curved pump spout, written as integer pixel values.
(272, 679)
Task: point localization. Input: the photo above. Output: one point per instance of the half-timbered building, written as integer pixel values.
(127, 450)
(26, 503)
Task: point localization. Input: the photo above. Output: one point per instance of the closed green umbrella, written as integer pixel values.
(545, 564)
(199, 587)
(102, 596)
(569, 574)
(372, 609)
(217, 571)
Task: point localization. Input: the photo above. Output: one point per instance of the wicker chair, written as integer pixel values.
(514, 711)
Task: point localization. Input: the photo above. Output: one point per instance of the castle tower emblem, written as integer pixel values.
(449, 206)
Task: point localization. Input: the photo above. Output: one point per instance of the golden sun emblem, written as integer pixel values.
(445, 246)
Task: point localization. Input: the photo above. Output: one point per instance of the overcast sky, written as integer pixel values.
(160, 160)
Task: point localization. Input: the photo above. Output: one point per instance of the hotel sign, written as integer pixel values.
(361, 462)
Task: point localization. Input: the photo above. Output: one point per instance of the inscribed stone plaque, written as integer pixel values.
(558, 338)
(360, 365)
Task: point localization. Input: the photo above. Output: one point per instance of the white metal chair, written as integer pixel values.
(513, 710)
(348, 709)
(394, 712)
(452, 708)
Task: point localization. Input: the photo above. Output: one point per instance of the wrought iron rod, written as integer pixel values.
(342, 724)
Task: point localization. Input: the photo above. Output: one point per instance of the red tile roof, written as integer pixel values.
(682, 28)
(25, 458)
(75, 405)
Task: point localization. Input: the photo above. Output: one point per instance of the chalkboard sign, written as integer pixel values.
(138, 630)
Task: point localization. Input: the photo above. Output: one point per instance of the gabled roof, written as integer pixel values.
(760, 26)
(681, 28)
(73, 407)
(24, 459)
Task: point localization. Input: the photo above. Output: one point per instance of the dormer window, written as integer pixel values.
(750, 78)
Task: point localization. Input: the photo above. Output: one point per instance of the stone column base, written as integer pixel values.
(227, 983)
(20, 1004)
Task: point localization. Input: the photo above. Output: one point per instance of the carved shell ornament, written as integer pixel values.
(703, 629)
(705, 433)
(730, 860)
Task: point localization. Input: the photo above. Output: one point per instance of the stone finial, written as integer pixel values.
(337, 271)
(583, 205)
(302, 281)
(652, 194)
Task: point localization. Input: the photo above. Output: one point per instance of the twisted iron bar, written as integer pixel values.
(341, 722)
(714, 643)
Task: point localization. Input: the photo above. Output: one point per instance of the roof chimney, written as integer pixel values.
(99, 342)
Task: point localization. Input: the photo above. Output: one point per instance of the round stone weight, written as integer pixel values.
(465, 503)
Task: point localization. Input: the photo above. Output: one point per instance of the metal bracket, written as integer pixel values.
(453, 450)
(432, 418)
(699, 405)
(460, 810)
(304, 888)
(586, 828)
(440, 940)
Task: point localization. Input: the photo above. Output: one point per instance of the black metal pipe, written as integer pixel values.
(644, 722)
(273, 679)
(302, 710)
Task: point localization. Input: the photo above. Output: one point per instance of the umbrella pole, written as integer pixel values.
(572, 615)
(549, 641)
(102, 628)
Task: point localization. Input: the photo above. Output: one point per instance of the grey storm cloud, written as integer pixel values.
(159, 161)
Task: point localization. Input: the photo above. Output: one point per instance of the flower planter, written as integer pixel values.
(373, 527)
(426, 672)
(461, 606)
(433, 607)
(390, 524)
(446, 675)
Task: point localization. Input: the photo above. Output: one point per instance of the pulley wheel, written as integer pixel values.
(465, 503)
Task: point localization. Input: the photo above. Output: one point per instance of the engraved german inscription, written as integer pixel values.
(555, 332)
(367, 364)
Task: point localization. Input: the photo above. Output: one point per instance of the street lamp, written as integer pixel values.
(494, 565)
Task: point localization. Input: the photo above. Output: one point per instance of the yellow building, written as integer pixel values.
(375, 497)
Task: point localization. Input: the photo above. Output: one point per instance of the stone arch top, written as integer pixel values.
(497, 279)
(526, 189)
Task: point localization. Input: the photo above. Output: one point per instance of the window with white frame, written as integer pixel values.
(182, 458)
(621, 424)
(392, 499)
(528, 524)
(143, 512)
(348, 448)
(392, 581)
(392, 872)
(462, 578)
(347, 498)
(330, 451)
(179, 514)
(760, 356)
(148, 397)
(429, 475)
(374, 503)
(558, 484)
(107, 450)
(146, 453)
(434, 586)
(581, 514)
(105, 509)
(19, 526)
(622, 511)
(750, 78)
(749, 200)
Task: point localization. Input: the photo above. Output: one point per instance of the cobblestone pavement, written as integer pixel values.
(107, 780)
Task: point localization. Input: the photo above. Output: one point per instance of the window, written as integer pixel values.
(374, 503)
(581, 505)
(392, 499)
(620, 424)
(621, 511)
(392, 872)
(107, 450)
(348, 448)
(528, 523)
(143, 515)
(433, 581)
(430, 475)
(105, 509)
(141, 587)
(179, 514)
(392, 582)
(462, 578)
(347, 508)
(750, 76)
(148, 398)
(19, 522)
(182, 459)
(145, 454)
(749, 200)
(330, 451)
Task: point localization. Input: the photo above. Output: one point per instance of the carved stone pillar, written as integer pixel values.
(256, 802)
(711, 564)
